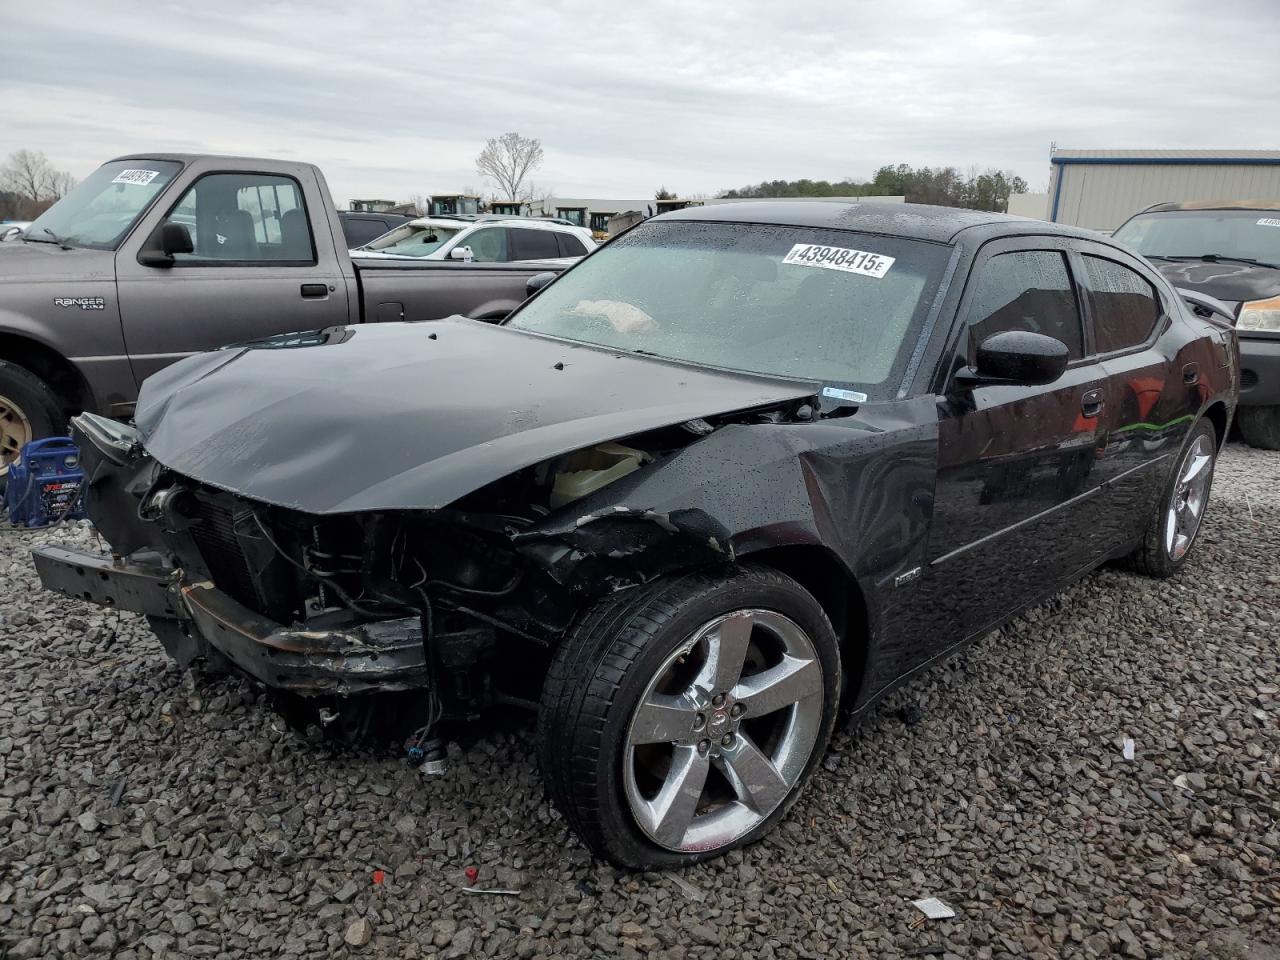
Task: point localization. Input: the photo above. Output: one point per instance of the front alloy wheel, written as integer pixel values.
(15, 432)
(680, 719)
(723, 731)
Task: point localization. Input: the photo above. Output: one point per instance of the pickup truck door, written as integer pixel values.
(257, 268)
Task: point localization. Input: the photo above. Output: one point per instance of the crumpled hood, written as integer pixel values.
(413, 415)
(1231, 283)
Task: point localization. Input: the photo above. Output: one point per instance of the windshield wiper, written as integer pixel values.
(1216, 258)
(54, 239)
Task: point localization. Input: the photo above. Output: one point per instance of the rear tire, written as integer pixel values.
(29, 410)
(1179, 513)
(654, 645)
(1260, 426)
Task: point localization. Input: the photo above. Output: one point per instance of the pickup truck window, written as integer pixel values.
(244, 218)
(102, 210)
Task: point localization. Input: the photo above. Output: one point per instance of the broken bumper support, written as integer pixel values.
(380, 655)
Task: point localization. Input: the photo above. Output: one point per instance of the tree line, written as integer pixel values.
(30, 185)
(944, 186)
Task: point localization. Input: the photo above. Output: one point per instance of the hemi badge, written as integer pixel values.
(907, 577)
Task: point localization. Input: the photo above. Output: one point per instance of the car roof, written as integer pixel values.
(916, 220)
(1215, 205)
(459, 223)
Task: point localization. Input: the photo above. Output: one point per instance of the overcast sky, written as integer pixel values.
(397, 98)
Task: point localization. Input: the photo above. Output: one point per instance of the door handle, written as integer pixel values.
(1191, 373)
(1092, 402)
(315, 291)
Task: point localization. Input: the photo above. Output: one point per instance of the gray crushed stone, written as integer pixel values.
(148, 813)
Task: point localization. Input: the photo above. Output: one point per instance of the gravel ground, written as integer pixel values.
(145, 812)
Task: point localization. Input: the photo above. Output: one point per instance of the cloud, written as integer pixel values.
(397, 98)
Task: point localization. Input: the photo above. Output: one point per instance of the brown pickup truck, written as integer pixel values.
(156, 257)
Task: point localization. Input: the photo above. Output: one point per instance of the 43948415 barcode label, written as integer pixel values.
(839, 258)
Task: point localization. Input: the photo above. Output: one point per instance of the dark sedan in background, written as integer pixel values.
(1229, 250)
(739, 468)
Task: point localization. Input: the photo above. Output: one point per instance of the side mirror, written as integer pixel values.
(461, 253)
(172, 238)
(1019, 356)
(537, 282)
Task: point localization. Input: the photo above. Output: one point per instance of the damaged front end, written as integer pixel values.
(463, 603)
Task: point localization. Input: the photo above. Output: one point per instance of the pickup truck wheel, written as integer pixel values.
(29, 410)
(681, 719)
(1260, 426)
(1175, 520)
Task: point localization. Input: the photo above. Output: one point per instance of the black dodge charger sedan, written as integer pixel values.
(736, 474)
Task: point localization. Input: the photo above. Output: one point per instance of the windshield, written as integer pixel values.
(411, 240)
(1239, 234)
(100, 212)
(804, 302)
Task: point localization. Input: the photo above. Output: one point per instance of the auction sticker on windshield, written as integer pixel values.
(139, 178)
(839, 258)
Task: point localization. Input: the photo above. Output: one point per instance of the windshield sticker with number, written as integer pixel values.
(139, 178)
(1269, 222)
(839, 258)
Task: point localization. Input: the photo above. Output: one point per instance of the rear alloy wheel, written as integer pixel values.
(1260, 426)
(680, 720)
(1173, 528)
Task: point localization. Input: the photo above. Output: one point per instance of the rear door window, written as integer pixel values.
(1123, 305)
(533, 244)
(1026, 290)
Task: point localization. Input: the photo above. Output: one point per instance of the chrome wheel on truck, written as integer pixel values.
(29, 410)
(723, 731)
(15, 432)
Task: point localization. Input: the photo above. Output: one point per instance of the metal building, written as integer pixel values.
(1101, 189)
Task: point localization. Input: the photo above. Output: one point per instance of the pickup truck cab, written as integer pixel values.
(153, 258)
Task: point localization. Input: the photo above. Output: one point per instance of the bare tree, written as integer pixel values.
(508, 160)
(421, 203)
(60, 184)
(29, 174)
(26, 174)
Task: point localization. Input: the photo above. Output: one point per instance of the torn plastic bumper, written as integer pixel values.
(379, 655)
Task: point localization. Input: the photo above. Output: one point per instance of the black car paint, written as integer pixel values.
(920, 522)
(414, 416)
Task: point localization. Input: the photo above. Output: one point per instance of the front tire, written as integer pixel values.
(1260, 426)
(29, 410)
(681, 719)
(1175, 521)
